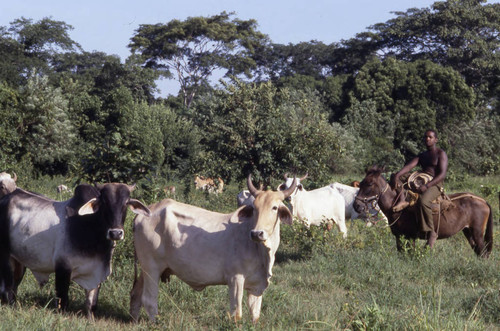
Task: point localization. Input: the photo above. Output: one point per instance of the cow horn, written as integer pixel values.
(131, 187)
(291, 189)
(15, 176)
(252, 188)
(285, 175)
(305, 176)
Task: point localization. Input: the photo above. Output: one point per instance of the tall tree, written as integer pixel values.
(416, 96)
(193, 49)
(48, 135)
(463, 34)
(26, 45)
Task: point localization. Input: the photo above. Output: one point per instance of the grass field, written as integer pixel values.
(320, 282)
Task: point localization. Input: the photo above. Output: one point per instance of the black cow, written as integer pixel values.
(73, 238)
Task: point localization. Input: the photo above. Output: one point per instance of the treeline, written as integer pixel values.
(307, 107)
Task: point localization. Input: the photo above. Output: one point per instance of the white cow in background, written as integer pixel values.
(349, 194)
(245, 198)
(317, 206)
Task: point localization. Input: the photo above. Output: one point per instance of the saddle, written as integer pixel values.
(439, 205)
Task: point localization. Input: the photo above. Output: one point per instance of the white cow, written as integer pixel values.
(317, 206)
(245, 198)
(349, 194)
(205, 248)
(7, 183)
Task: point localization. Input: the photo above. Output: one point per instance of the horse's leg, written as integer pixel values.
(399, 243)
(468, 234)
(477, 236)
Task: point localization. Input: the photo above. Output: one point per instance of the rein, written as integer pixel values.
(373, 201)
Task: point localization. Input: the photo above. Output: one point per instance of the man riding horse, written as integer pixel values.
(433, 162)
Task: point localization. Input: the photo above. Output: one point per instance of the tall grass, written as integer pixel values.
(320, 282)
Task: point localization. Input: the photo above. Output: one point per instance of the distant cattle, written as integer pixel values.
(169, 190)
(7, 183)
(62, 188)
(205, 248)
(73, 238)
(320, 205)
(209, 184)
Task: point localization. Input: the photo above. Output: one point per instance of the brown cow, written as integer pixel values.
(209, 184)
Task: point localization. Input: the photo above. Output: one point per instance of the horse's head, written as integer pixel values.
(370, 190)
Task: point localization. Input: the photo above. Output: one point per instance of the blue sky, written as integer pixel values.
(107, 26)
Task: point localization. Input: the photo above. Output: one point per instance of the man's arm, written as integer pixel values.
(410, 165)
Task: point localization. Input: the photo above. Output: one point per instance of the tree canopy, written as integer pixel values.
(309, 107)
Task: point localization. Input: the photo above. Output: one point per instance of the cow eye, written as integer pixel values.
(275, 207)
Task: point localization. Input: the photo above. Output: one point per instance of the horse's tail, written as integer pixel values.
(488, 235)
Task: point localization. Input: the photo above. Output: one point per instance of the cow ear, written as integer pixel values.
(138, 207)
(89, 208)
(246, 212)
(285, 215)
(300, 187)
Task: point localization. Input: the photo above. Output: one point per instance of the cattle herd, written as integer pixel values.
(75, 238)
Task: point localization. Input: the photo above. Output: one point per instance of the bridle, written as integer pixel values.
(373, 200)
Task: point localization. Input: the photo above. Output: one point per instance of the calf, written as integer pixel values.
(205, 248)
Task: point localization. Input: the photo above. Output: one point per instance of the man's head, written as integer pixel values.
(430, 138)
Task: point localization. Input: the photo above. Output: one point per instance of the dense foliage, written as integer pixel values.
(308, 107)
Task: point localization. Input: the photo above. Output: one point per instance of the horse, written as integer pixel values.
(468, 213)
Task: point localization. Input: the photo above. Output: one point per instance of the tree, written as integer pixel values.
(193, 49)
(267, 131)
(10, 118)
(125, 141)
(416, 96)
(26, 46)
(48, 136)
(463, 34)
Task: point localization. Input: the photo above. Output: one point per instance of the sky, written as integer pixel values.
(107, 26)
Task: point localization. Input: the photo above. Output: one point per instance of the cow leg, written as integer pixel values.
(340, 221)
(91, 297)
(63, 279)
(254, 303)
(136, 297)
(236, 296)
(150, 293)
(18, 271)
(6, 281)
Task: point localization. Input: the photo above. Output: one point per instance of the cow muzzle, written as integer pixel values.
(115, 234)
(258, 235)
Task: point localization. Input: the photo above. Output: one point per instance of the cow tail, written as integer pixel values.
(488, 235)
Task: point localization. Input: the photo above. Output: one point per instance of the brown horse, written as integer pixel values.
(469, 213)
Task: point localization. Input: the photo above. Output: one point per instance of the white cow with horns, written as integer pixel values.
(316, 206)
(205, 248)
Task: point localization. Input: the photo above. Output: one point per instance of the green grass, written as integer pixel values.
(320, 282)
